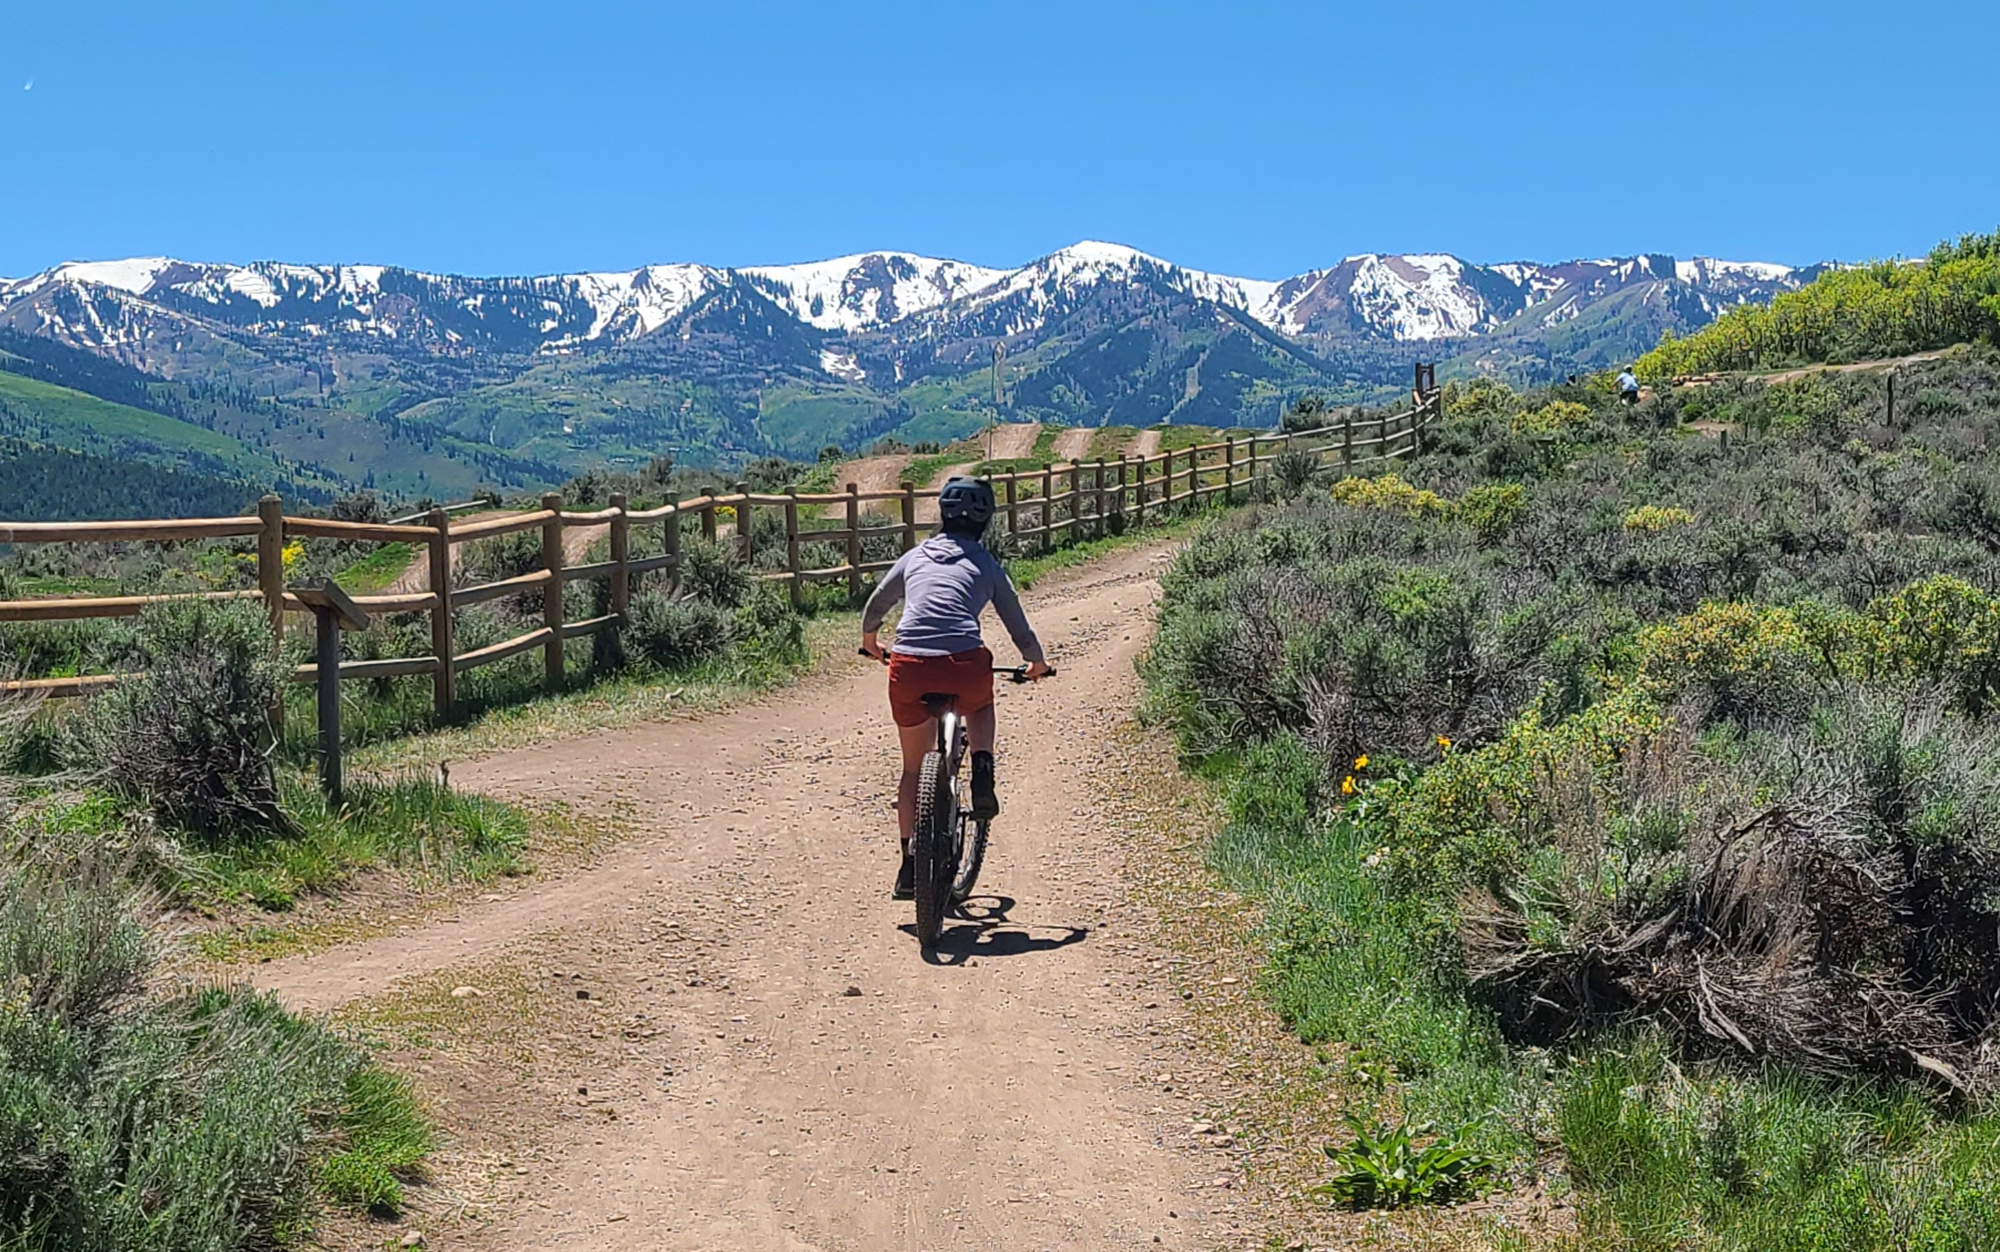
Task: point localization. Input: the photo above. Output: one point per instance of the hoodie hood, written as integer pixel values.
(947, 549)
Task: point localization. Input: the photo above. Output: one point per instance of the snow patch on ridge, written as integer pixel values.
(869, 288)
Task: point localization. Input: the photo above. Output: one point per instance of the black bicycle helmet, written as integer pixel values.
(966, 500)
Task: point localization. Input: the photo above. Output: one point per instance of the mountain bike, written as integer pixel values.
(949, 843)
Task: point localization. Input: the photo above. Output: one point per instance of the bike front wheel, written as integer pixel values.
(934, 848)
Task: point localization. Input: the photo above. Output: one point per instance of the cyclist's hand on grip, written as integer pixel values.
(871, 647)
(1038, 670)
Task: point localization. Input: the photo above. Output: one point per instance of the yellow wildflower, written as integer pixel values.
(1347, 785)
(1361, 762)
(1443, 742)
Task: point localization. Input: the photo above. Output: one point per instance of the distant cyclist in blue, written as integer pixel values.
(1628, 386)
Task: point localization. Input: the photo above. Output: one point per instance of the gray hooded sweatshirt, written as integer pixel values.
(945, 582)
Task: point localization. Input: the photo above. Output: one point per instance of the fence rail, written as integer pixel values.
(1038, 510)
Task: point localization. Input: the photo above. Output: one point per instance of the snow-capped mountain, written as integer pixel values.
(505, 377)
(856, 292)
(1412, 298)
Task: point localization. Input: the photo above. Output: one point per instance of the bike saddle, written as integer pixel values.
(937, 702)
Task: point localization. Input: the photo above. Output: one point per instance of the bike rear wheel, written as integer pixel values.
(934, 848)
(972, 854)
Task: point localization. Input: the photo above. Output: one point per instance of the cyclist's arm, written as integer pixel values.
(886, 594)
(1008, 605)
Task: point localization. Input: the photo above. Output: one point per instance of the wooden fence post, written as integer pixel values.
(745, 523)
(1347, 443)
(853, 541)
(1139, 499)
(909, 503)
(552, 592)
(621, 556)
(708, 514)
(792, 546)
(670, 541)
(1123, 470)
(271, 564)
(1228, 471)
(1075, 501)
(1049, 507)
(271, 584)
(444, 683)
(1097, 481)
(1013, 507)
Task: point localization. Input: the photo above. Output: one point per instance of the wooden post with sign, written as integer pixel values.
(332, 612)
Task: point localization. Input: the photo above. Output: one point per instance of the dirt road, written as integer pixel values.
(760, 1056)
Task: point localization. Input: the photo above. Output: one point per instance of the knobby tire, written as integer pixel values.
(931, 846)
(971, 858)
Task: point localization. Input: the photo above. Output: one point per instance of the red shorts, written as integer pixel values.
(966, 675)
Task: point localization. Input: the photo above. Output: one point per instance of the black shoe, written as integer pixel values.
(985, 805)
(906, 880)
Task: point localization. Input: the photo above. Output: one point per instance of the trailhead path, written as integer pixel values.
(746, 1049)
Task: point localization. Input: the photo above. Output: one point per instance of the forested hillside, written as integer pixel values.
(47, 484)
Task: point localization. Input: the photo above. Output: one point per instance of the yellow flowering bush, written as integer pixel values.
(1558, 417)
(1654, 518)
(1747, 657)
(1475, 813)
(1390, 494)
(1941, 629)
(1491, 508)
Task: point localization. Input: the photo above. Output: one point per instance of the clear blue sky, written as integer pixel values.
(1258, 139)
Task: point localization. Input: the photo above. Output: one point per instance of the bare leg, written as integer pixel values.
(915, 741)
(982, 728)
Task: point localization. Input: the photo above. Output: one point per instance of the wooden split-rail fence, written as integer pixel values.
(1039, 510)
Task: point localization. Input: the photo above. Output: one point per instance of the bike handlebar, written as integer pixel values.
(1015, 673)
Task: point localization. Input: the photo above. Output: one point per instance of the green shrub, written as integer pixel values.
(192, 736)
(675, 631)
(714, 574)
(1491, 509)
(189, 1122)
(1886, 309)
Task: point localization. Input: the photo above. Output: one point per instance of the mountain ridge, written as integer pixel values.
(424, 382)
(866, 290)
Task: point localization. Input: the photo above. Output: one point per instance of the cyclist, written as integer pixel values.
(945, 583)
(1628, 386)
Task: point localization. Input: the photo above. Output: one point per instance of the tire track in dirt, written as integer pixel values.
(806, 1081)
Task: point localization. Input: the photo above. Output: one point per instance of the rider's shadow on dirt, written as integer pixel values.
(980, 927)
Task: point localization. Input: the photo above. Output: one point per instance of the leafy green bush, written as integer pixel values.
(1383, 1167)
(1670, 740)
